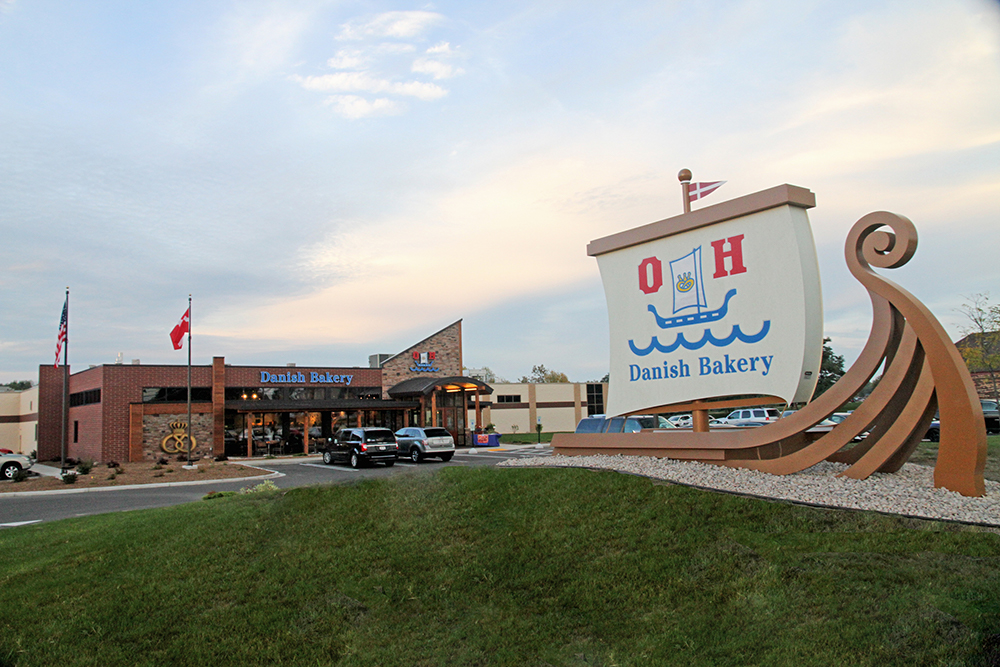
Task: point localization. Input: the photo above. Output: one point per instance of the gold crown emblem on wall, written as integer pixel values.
(176, 442)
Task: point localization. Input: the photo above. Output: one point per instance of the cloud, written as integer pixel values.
(390, 24)
(435, 68)
(393, 48)
(345, 82)
(352, 106)
(345, 59)
(444, 48)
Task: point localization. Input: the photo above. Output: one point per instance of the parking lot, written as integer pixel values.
(289, 473)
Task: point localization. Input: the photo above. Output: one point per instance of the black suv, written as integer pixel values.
(362, 446)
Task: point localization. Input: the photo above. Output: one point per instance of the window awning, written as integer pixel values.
(424, 386)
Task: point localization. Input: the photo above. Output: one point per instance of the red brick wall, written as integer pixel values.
(984, 385)
(123, 384)
(105, 428)
(447, 347)
(49, 412)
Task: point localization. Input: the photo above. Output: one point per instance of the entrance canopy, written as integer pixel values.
(424, 386)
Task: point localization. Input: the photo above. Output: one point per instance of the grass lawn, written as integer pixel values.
(490, 566)
(926, 454)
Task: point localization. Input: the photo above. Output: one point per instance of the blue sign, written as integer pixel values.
(300, 378)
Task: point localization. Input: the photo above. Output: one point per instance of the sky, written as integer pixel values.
(331, 180)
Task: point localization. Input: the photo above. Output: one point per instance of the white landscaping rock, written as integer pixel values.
(908, 492)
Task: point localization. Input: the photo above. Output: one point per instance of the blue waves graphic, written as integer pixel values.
(737, 333)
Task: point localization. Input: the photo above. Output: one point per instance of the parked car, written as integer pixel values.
(934, 431)
(761, 415)
(419, 443)
(635, 423)
(680, 420)
(10, 464)
(629, 424)
(591, 424)
(362, 446)
(991, 415)
(838, 417)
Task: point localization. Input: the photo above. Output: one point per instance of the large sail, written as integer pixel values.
(748, 322)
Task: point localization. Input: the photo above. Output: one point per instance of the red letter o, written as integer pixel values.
(650, 279)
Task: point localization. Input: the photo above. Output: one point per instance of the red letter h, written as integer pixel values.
(735, 255)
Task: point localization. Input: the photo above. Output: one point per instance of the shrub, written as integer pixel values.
(263, 487)
(221, 457)
(84, 466)
(69, 477)
(20, 475)
(212, 495)
(114, 464)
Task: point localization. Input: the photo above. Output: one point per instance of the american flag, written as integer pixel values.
(62, 331)
(698, 190)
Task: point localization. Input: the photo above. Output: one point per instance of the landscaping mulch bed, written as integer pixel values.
(144, 472)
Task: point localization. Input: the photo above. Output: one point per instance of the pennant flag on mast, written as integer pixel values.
(62, 330)
(183, 327)
(698, 190)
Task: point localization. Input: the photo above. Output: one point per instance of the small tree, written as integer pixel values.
(831, 369)
(19, 385)
(542, 375)
(981, 346)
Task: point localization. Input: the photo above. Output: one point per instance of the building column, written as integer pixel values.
(218, 406)
(479, 412)
(577, 404)
(434, 408)
(248, 424)
(532, 408)
(305, 433)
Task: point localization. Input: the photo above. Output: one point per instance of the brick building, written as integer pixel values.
(134, 412)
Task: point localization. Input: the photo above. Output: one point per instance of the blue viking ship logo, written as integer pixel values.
(688, 289)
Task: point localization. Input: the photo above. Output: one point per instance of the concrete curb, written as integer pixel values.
(158, 485)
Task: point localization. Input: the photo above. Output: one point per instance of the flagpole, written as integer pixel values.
(189, 426)
(65, 392)
(684, 176)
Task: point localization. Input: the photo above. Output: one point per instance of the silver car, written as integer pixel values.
(11, 463)
(421, 442)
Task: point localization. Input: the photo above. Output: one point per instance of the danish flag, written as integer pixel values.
(698, 190)
(177, 334)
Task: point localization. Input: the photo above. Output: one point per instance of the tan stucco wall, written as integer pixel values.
(536, 400)
(19, 436)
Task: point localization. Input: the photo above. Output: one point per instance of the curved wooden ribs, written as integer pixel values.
(923, 374)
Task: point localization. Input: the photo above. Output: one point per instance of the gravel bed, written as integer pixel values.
(909, 492)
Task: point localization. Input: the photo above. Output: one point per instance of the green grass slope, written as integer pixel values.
(498, 567)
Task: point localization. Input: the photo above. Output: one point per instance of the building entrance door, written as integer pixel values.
(452, 419)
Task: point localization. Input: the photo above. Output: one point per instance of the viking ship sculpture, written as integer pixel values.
(922, 371)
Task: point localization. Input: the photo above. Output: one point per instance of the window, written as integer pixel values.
(88, 397)
(176, 394)
(253, 393)
(76, 431)
(509, 398)
(595, 399)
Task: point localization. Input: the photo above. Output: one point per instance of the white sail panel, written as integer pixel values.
(751, 322)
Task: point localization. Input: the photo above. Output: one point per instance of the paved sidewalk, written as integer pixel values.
(45, 471)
